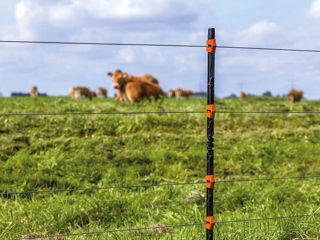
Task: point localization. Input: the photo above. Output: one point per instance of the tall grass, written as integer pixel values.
(57, 152)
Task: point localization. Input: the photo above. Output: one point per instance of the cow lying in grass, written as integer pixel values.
(102, 92)
(135, 89)
(80, 92)
(294, 96)
(34, 91)
(180, 92)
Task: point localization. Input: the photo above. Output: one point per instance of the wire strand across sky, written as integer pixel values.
(159, 45)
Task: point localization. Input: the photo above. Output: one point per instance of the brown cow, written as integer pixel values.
(242, 95)
(93, 94)
(294, 96)
(102, 92)
(171, 93)
(34, 91)
(146, 78)
(119, 97)
(134, 89)
(80, 92)
(180, 92)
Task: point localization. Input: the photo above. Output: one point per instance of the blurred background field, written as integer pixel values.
(58, 152)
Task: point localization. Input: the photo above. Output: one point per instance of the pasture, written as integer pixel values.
(58, 152)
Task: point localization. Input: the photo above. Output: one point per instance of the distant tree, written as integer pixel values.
(22, 94)
(232, 95)
(267, 94)
(19, 94)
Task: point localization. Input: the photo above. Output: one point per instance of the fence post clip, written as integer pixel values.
(209, 222)
(211, 110)
(211, 45)
(211, 181)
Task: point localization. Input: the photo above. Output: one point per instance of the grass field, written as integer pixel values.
(57, 152)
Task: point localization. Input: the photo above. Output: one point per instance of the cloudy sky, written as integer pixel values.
(54, 68)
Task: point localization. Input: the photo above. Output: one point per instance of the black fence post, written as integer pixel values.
(210, 133)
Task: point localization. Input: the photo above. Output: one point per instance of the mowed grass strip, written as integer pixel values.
(59, 152)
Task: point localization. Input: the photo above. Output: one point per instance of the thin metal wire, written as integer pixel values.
(150, 112)
(272, 49)
(269, 218)
(103, 43)
(110, 231)
(154, 185)
(97, 113)
(265, 179)
(158, 45)
(100, 188)
(265, 112)
(161, 227)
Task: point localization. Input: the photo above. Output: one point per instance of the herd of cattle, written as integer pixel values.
(131, 88)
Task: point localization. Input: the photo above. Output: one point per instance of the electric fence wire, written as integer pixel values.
(154, 185)
(97, 113)
(165, 227)
(266, 112)
(150, 112)
(159, 45)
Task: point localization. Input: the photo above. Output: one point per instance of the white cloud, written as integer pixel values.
(259, 33)
(196, 36)
(244, 61)
(154, 21)
(126, 55)
(314, 10)
(261, 28)
(264, 34)
(60, 15)
(38, 18)
(55, 68)
(259, 71)
(21, 10)
(123, 9)
(25, 15)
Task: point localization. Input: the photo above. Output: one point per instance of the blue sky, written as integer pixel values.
(54, 69)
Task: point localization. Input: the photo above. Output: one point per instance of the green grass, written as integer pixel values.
(57, 152)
